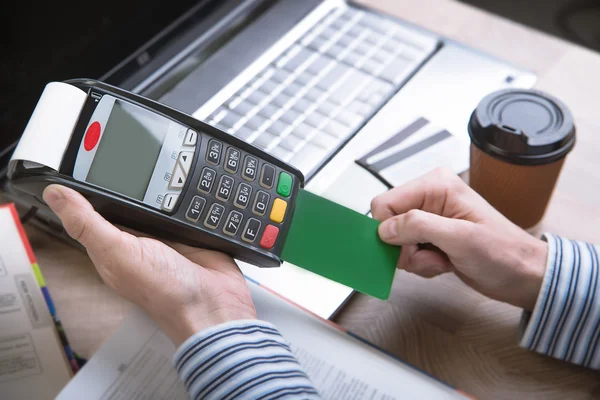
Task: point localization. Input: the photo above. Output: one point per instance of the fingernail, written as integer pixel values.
(54, 198)
(388, 229)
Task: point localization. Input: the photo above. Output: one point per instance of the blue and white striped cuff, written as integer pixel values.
(246, 359)
(565, 323)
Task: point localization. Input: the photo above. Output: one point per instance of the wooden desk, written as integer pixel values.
(439, 325)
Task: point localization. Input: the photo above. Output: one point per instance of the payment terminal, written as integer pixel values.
(152, 168)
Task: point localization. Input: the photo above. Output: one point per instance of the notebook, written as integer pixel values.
(35, 359)
(136, 361)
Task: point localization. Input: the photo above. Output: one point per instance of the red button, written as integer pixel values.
(92, 136)
(269, 237)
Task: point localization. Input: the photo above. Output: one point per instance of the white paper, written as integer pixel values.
(32, 362)
(137, 359)
(343, 367)
(450, 152)
(49, 130)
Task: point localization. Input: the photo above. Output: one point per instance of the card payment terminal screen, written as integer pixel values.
(127, 154)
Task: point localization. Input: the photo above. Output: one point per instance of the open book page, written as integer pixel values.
(32, 362)
(341, 366)
(136, 361)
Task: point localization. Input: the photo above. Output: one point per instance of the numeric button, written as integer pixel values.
(242, 197)
(232, 160)
(213, 153)
(207, 180)
(261, 202)
(250, 168)
(232, 225)
(251, 230)
(225, 188)
(267, 176)
(214, 216)
(195, 209)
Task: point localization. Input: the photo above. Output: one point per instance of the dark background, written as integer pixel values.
(575, 20)
(44, 41)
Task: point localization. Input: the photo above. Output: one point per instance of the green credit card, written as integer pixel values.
(340, 244)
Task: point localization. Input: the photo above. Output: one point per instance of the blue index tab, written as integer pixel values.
(340, 244)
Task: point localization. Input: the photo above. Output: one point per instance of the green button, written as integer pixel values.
(284, 186)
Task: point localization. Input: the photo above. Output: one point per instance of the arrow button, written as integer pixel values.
(185, 160)
(178, 178)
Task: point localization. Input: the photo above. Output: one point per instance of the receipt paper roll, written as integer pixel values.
(51, 125)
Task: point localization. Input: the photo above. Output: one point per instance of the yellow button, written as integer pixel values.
(278, 210)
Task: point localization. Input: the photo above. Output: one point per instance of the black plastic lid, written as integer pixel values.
(524, 127)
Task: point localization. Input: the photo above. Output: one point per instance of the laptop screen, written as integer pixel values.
(63, 39)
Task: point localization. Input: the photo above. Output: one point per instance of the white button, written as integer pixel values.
(178, 178)
(169, 201)
(190, 138)
(185, 160)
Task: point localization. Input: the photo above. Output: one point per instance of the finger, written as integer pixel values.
(178, 247)
(428, 264)
(210, 259)
(427, 192)
(82, 223)
(406, 254)
(204, 257)
(193, 254)
(416, 226)
(136, 233)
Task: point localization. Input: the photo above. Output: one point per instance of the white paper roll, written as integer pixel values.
(51, 125)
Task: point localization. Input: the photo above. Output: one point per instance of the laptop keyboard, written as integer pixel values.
(312, 98)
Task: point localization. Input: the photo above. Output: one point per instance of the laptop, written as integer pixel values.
(331, 87)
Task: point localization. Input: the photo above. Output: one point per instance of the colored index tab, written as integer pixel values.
(340, 244)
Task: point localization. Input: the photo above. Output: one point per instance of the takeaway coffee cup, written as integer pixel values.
(519, 141)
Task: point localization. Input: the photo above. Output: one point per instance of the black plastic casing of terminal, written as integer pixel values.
(122, 210)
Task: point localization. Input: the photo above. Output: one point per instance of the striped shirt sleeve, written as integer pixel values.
(565, 323)
(241, 360)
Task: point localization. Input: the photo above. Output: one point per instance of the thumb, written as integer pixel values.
(83, 223)
(417, 226)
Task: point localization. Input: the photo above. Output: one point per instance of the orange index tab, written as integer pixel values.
(278, 210)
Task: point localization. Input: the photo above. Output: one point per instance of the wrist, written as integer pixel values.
(179, 325)
(534, 268)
